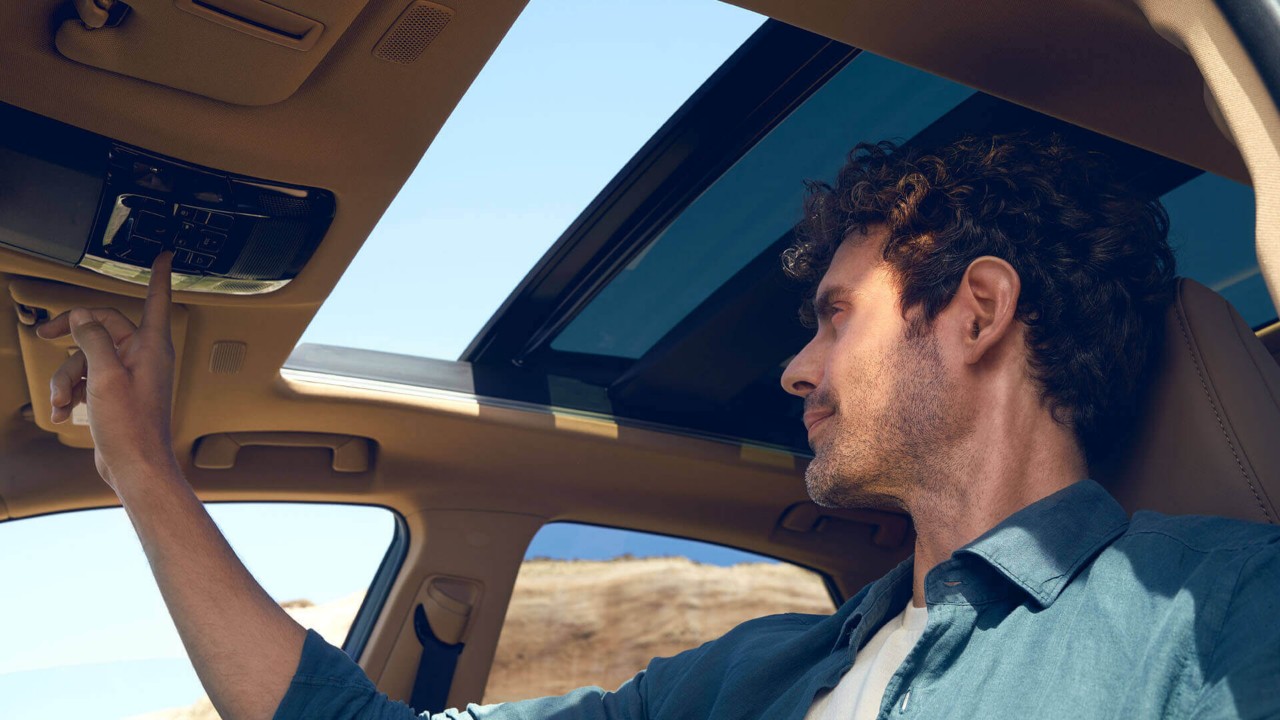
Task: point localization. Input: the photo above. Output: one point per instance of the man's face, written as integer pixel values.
(880, 408)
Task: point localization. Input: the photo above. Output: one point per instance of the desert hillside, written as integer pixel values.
(597, 623)
(575, 623)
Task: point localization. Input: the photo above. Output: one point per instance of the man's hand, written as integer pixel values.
(124, 374)
(242, 645)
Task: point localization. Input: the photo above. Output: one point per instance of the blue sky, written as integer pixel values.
(94, 632)
(575, 89)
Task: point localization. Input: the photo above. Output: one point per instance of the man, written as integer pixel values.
(985, 315)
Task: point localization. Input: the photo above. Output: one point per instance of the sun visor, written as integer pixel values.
(246, 52)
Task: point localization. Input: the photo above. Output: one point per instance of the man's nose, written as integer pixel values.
(804, 372)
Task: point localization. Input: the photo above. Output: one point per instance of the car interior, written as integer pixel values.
(631, 380)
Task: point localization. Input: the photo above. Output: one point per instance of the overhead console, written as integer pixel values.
(81, 199)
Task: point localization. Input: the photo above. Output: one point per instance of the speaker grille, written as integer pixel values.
(227, 357)
(271, 250)
(417, 27)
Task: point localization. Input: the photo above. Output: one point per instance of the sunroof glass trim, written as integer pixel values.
(365, 370)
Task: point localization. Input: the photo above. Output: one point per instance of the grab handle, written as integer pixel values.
(218, 452)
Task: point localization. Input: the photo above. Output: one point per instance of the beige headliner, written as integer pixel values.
(477, 478)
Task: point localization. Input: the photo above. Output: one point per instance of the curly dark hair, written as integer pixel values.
(1093, 257)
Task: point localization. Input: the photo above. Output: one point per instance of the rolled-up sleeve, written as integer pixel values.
(328, 684)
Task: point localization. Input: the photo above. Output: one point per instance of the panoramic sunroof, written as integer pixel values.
(572, 92)
(756, 202)
(760, 199)
(1211, 232)
(664, 301)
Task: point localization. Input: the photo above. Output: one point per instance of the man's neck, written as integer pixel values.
(951, 511)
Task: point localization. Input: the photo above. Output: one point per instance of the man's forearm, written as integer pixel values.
(243, 645)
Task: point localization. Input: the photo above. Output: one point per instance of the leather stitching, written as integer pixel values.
(1204, 385)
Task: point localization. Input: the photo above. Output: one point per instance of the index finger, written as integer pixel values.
(155, 311)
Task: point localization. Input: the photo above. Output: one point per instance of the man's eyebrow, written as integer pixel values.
(823, 301)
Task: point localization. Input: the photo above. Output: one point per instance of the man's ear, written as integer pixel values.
(986, 303)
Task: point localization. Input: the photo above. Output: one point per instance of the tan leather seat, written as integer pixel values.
(1210, 441)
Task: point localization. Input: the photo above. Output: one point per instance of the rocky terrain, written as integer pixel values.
(597, 623)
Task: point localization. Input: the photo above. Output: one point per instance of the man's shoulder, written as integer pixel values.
(1198, 573)
(1199, 553)
(1203, 534)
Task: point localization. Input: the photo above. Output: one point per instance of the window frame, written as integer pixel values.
(376, 595)
(836, 597)
(379, 592)
(833, 591)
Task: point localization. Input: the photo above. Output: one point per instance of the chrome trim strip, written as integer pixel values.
(180, 280)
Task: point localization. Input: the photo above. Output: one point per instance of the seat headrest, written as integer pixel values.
(1209, 443)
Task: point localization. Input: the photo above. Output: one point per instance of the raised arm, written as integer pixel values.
(243, 646)
(246, 650)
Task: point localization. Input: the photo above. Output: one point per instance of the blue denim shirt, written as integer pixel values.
(1067, 609)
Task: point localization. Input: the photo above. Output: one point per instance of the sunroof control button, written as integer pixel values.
(153, 227)
(202, 261)
(141, 251)
(188, 237)
(211, 242)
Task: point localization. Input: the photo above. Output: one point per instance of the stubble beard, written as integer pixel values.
(890, 435)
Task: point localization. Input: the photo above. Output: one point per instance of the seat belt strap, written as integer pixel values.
(435, 669)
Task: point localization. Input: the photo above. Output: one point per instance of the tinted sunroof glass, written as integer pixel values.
(760, 198)
(572, 92)
(755, 203)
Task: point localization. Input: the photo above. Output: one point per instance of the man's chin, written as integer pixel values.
(825, 488)
(844, 490)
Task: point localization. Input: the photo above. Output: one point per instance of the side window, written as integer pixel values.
(592, 606)
(86, 632)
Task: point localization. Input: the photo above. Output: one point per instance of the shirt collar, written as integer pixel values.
(1041, 547)
(874, 604)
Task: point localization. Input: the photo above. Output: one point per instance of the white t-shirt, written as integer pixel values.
(861, 690)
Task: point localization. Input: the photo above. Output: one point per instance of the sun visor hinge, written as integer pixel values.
(98, 14)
